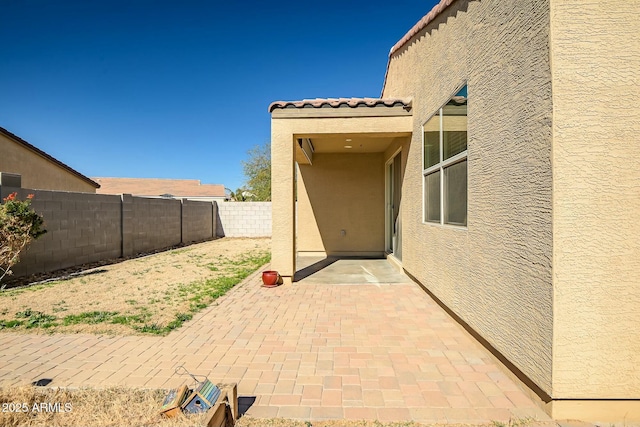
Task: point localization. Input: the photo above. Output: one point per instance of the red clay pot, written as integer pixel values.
(270, 278)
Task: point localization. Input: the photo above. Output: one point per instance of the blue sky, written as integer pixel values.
(180, 89)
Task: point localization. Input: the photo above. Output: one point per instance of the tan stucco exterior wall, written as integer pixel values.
(595, 52)
(284, 132)
(342, 192)
(496, 273)
(38, 172)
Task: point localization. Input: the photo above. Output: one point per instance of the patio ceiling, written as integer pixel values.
(346, 143)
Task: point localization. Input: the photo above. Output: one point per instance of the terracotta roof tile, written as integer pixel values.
(437, 10)
(50, 158)
(159, 187)
(340, 102)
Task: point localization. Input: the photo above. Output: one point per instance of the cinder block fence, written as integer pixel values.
(245, 219)
(84, 227)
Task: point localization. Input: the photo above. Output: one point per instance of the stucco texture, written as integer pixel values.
(284, 133)
(495, 273)
(595, 51)
(341, 204)
(36, 171)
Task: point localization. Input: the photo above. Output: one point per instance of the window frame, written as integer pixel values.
(442, 165)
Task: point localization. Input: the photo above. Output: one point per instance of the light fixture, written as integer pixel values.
(348, 146)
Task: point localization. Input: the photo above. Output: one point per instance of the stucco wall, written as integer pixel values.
(595, 52)
(38, 172)
(496, 273)
(284, 131)
(341, 192)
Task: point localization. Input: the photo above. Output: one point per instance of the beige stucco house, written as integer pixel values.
(37, 169)
(500, 168)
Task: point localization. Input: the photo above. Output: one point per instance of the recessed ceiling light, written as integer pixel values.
(348, 146)
(348, 140)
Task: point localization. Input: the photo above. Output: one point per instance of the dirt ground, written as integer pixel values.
(150, 291)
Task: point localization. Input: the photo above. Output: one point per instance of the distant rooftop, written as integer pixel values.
(159, 187)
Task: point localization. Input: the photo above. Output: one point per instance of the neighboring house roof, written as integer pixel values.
(48, 157)
(340, 102)
(159, 187)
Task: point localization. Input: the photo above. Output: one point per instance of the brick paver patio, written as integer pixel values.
(307, 351)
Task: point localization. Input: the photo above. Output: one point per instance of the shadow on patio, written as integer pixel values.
(333, 270)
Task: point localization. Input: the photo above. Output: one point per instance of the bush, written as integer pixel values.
(19, 225)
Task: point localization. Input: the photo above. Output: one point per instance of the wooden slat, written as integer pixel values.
(216, 416)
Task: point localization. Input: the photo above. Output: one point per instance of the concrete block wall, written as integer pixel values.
(197, 220)
(244, 219)
(156, 224)
(81, 228)
(85, 227)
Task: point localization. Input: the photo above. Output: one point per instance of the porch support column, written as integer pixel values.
(283, 238)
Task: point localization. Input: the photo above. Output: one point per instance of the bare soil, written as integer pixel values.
(141, 295)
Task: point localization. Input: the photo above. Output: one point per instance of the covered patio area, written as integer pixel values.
(337, 173)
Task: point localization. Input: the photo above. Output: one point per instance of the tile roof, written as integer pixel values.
(159, 187)
(50, 158)
(437, 10)
(340, 102)
(419, 26)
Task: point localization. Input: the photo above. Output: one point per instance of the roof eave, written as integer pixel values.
(419, 26)
(344, 105)
(48, 157)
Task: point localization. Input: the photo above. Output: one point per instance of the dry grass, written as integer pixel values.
(89, 407)
(115, 407)
(280, 422)
(152, 294)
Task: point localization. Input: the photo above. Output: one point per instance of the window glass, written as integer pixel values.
(455, 197)
(454, 126)
(432, 142)
(445, 163)
(432, 196)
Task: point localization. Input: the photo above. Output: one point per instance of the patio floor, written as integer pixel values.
(310, 350)
(336, 271)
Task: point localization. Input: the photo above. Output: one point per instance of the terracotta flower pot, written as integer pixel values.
(270, 278)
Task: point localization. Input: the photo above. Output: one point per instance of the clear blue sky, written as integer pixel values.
(180, 89)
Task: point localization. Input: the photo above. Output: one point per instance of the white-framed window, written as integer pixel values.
(444, 163)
